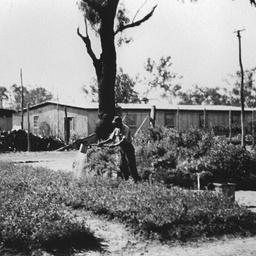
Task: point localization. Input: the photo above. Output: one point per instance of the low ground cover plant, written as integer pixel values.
(164, 213)
(32, 213)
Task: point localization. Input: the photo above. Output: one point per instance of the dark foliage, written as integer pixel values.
(18, 141)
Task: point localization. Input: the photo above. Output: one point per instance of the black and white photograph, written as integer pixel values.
(127, 128)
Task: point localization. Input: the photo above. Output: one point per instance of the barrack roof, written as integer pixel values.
(134, 106)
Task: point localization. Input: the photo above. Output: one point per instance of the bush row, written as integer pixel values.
(176, 158)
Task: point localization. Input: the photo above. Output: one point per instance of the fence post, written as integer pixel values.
(178, 119)
(230, 126)
(153, 116)
(204, 118)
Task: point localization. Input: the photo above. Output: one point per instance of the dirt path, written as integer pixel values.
(53, 160)
(120, 241)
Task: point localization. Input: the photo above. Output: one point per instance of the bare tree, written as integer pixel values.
(101, 15)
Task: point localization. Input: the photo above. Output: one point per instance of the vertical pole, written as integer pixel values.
(204, 118)
(253, 130)
(198, 181)
(22, 99)
(230, 125)
(66, 125)
(241, 90)
(58, 122)
(58, 111)
(178, 119)
(28, 136)
(153, 116)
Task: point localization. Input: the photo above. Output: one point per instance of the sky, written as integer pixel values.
(40, 38)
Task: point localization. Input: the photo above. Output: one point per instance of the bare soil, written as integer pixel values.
(119, 239)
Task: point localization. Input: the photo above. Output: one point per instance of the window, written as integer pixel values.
(170, 120)
(201, 121)
(236, 118)
(36, 122)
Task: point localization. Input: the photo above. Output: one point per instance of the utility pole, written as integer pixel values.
(28, 135)
(241, 87)
(22, 99)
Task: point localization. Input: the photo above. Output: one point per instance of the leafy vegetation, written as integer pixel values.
(176, 157)
(36, 204)
(166, 214)
(32, 213)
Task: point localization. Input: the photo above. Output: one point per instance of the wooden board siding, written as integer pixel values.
(191, 118)
(140, 117)
(160, 117)
(53, 117)
(216, 118)
(46, 115)
(83, 119)
(6, 119)
(5, 124)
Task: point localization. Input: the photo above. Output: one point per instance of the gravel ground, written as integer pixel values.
(119, 240)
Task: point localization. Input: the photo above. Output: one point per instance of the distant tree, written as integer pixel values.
(162, 79)
(102, 15)
(16, 93)
(33, 96)
(204, 95)
(249, 89)
(39, 95)
(3, 95)
(91, 91)
(124, 89)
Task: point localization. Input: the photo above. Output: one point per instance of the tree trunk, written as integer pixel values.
(106, 76)
(106, 82)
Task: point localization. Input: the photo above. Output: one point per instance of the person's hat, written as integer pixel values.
(117, 120)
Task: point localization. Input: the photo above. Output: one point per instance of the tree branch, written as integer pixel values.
(137, 23)
(87, 43)
(139, 10)
(253, 2)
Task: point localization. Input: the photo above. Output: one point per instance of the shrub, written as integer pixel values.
(175, 157)
(102, 160)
